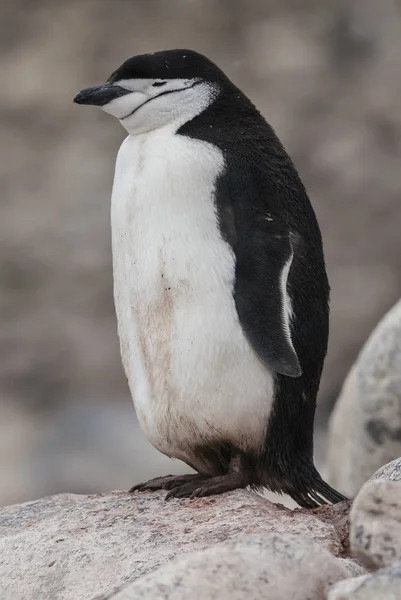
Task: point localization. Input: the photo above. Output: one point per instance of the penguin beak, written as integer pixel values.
(99, 95)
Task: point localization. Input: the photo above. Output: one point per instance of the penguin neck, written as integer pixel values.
(171, 110)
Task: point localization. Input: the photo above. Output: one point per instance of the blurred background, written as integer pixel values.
(325, 74)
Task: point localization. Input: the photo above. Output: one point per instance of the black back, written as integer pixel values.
(261, 181)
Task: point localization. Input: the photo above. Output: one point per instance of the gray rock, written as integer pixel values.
(365, 427)
(72, 547)
(384, 584)
(375, 533)
(391, 471)
(353, 567)
(273, 566)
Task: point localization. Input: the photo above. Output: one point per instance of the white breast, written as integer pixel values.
(193, 376)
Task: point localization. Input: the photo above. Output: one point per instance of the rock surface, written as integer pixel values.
(273, 566)
(391, 471)
(375, 532)
(365, 427)
(72, 547)
(384, 584)
(354, 568)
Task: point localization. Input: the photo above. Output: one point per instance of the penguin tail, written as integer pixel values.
(327, 492)
(303, 483)
(314, 492)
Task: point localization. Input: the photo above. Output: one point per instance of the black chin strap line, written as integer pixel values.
(158, 96)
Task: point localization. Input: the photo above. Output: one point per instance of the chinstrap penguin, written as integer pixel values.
(220, 286)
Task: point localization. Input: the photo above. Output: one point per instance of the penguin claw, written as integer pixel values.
(209, 486)
(167, 482)
(153, 484)
(185, 490)
(201, 492)
(180, 480)
(211, 489)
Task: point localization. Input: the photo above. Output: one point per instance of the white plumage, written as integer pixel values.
(193, 375)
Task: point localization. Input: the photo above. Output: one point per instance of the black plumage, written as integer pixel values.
(265, 214)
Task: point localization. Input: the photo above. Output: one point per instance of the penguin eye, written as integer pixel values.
(159, 83)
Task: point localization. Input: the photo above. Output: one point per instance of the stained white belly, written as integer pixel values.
(193, 376)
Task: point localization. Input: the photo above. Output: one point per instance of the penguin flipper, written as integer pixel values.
(263, 261)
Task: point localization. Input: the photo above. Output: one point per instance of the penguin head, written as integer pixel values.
(157, 89)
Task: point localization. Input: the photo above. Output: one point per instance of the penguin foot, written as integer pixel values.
(209, 487)
(168, 482)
